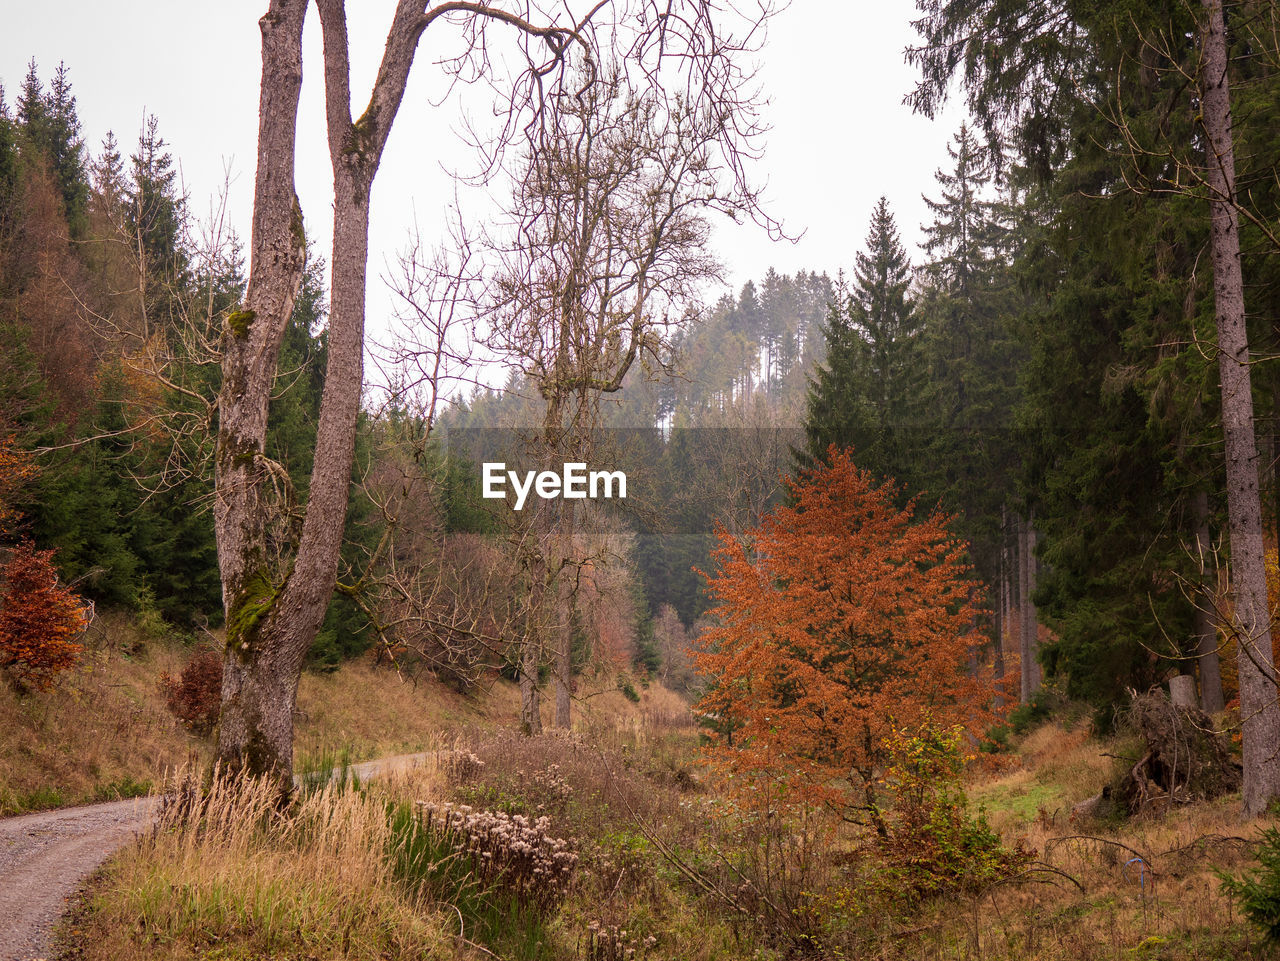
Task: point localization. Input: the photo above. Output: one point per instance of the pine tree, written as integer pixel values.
(969, 351)
(51, 131)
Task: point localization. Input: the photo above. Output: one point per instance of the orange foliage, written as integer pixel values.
(16, 471)
(840, 620)
(39, 618)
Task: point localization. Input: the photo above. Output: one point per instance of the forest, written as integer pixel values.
(914, 550)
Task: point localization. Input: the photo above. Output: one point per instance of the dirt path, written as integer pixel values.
(44, 858)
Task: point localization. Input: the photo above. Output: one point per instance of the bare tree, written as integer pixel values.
(610, 253)
(275, 586)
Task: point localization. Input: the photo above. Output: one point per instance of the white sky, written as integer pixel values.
(833, 70)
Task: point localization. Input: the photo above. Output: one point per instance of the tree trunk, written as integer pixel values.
(1260, 714)
(565, 591)
(256, 725)
(1025, 537)
(1030, 618)
(1206, 627)
(530, 658)
(277, 586)
(1002, 607)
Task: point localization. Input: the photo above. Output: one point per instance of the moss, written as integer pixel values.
(256, 599)
(363, 133)
(239, 321)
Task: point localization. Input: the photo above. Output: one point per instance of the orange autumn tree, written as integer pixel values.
(39, 618)
(841, 619)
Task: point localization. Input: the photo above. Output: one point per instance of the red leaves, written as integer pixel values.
(839, 618)
(38, 618)
(194, 697)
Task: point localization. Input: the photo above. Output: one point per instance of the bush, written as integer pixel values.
(1259, 892)
(511, 851)
(194, 697)
(928, 839)
(1026, 716)
(38, 619)
(628, 689)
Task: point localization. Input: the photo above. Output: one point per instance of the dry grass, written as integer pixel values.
(243, 881)
(369, 712)
(623, 788)
(102, 733)
(1147, 887)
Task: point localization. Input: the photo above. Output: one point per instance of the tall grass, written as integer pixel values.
(225, 866)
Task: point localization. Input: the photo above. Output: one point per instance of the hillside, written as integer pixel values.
(104, 732)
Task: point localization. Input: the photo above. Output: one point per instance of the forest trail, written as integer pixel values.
(45, 857)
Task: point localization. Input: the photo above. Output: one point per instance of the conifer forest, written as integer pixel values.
(552, 590)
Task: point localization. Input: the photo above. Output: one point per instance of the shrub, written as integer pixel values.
(194, 697)
(927, 837)
(1259, 892)
(628, 689)
(38, 618)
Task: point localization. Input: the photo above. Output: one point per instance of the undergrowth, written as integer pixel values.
(615, 843)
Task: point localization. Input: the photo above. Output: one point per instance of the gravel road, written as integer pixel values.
(45, 857)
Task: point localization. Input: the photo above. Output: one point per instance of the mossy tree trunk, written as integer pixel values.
(278, 577)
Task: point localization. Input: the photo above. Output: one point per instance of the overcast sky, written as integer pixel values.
(833, 70)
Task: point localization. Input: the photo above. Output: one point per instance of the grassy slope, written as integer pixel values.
(619, 787)
(104, 732)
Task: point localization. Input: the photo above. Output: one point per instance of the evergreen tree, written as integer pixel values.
(867, 395)
(51, 130)
(971, 356)
(155, 213)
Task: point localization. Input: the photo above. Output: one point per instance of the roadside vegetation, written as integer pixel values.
(458, 859)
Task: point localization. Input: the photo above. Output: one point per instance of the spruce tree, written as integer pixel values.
(867, 395)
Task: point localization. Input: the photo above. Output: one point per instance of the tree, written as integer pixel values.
(1259, 709)
(39, 618)
(839, 620)
(967, 305)
(16, 471)
(276, 587)
(609, 254)
(868, 393)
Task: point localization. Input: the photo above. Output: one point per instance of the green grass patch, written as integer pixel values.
(1022, 802)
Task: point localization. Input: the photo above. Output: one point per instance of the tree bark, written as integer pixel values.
(276, 587)
(1028, 643)
(564, 596)
(255, 732)
(1259, 711)
(1002, 607)
(1030, 617)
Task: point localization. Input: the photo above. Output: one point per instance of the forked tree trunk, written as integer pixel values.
(276, 587)
(1259, 711)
